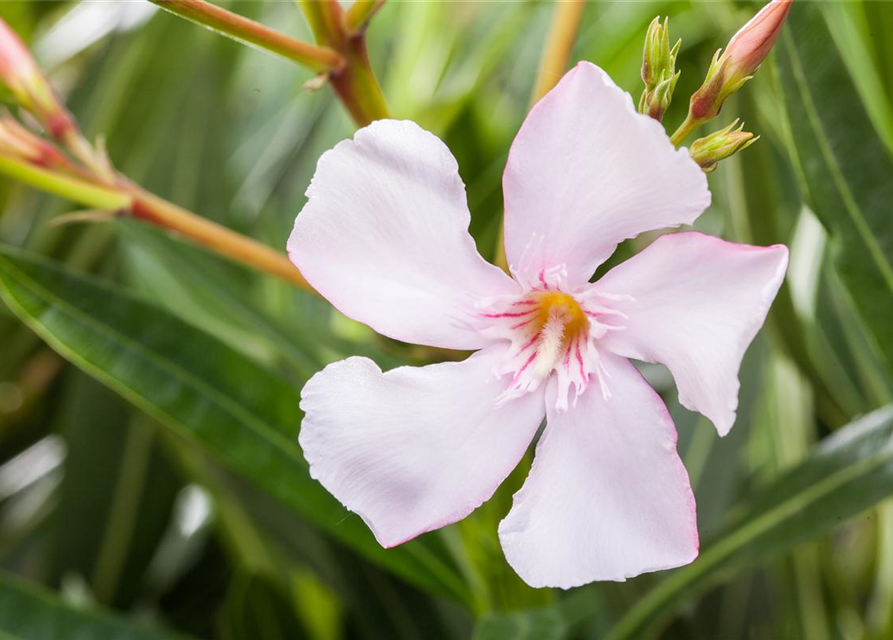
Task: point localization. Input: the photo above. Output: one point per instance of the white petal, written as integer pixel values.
(384, 237)
(608, 497)
(699, 302)
(414, 449)
(586, 172)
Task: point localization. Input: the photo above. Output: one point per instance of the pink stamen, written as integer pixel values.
(543, 279)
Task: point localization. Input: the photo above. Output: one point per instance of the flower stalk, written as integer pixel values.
(75, 189)
(353, 82)
(150, 208)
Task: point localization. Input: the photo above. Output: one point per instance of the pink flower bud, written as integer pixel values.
(749, 47)
(17, 67)
(31, 89)
(741, 59)
(19, 143)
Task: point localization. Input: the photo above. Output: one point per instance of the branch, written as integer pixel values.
(317, 58)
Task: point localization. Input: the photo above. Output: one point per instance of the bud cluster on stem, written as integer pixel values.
(658, 70)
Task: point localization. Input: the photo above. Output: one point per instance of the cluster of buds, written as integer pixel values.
(30, 88)
(728, 70)
(33, 92)
(658, 70)
(709, 150)
(19, 143)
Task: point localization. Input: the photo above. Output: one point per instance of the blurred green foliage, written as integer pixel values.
(154, 470)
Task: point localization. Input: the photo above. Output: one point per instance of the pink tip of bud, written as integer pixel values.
(16, 63)
(750, 46)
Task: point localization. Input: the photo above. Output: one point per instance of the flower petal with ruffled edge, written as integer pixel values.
(608, 497)
(698, 303)
(384, 237)
(416, 448)
(587, 172)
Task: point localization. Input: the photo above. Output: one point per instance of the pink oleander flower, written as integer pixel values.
(384, 237)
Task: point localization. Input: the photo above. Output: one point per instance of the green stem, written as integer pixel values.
(354, 82)
(318, 58)
(357, 87)
(90, 195)
(685, 129)
(325, 18)
(360, 13)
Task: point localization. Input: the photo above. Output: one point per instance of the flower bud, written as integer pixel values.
(746, 51)
(19, 143)
(709, 150)
(749, 47)
(31, 89)
(658, 70)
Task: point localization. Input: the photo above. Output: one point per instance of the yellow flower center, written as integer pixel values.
(559, 322)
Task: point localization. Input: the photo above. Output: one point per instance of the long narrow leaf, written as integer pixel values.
(846, 474)
(28, 613)
(203, 390)
(846, 168)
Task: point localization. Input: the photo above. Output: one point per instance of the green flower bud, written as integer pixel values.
(658, 69)
(709, 150)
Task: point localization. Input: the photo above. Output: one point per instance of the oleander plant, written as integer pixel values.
(426, 320)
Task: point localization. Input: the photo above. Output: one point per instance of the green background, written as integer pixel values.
(147, 491)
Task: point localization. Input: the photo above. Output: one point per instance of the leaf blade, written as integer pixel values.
(197, 386)
(846, 474)
(29, 613)
(847, 170)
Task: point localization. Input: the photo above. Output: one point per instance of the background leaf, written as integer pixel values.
(30, 614)
(846, 474)
(846, 168)
(203, 390)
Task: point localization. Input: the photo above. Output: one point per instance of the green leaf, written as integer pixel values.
(257, 608)
(846, 168)
(203, 391)
(116, 497)
(845, 474)
(555, 622)
(28, 613)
